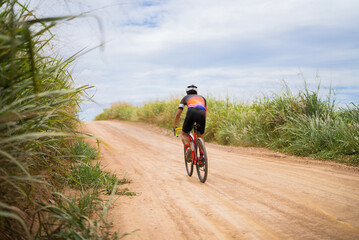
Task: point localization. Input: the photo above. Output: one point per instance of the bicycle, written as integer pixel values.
(196, 144)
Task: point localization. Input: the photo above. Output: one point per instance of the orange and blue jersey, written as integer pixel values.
(193, 101)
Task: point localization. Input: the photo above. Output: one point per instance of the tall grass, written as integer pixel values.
(157, 112)
(303, 124)
(38, 122)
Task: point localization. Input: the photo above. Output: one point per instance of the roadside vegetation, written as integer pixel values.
(50, 187)
(302, 124)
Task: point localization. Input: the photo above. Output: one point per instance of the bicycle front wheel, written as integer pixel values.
(202, 168)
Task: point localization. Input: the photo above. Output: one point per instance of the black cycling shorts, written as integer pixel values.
(194, 115)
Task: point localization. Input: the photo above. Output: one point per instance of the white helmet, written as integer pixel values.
(192, 89)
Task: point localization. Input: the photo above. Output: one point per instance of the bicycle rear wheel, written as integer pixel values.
(202, 170)
(189, 165)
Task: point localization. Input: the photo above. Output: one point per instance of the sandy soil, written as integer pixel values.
(249, 194)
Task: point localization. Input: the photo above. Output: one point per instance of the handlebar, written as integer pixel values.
(175, 131)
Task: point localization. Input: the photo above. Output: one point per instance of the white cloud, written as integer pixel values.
(242, 48)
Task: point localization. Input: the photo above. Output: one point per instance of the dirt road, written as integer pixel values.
(249, 193)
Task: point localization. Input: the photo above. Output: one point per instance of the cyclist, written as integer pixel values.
(196, 112)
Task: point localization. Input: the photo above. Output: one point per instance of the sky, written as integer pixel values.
(147, 50)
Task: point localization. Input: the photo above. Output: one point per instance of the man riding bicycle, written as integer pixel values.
(196, 113)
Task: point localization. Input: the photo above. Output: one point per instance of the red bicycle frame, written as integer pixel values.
(192, 137)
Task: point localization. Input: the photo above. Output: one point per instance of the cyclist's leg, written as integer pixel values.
(201, 120)
(201, 136)
(185, 138)
(187, 127)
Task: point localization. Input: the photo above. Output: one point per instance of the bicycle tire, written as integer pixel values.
(202, 171)
(189, 165)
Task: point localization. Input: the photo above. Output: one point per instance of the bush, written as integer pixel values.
(38, 122)
(302, 124)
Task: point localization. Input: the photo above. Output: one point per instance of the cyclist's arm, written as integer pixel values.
(177, 118)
